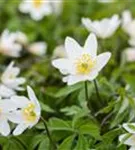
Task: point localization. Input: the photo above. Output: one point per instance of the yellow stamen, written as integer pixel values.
(84, 64)
(0, 111)
(11, 76)
(29, 113)
(37, 3)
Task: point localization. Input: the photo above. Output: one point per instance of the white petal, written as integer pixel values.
(25, 7)
(91, 45)
(121, 137)
(127, 139)
(72, 47)
(6, 92)
(20, 129)
(65, 79)
(130, 141)
(34, 99)
(38, 48)
(4, 127)
(129, 54)
(73, 79)
(132, 148)
(126, 127)
(132, 41)
(88, 24)
(14, 83)
(92, 75)
(20, 101)
(63, 64)
(16, 117)
(127, 18)
(102, 60)
(7, 105)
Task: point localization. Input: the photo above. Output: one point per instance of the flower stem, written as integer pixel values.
(97, 91)
(48, 134)
(87, 96)
(86, 91)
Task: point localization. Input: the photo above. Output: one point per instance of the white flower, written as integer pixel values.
(8, 44)
(82, 63)
(9, 78)
(28, 113)
(40, 8)
(128, 139)
(21, 38)
(104, 28)
(129, 53)
(132, 41)
(6, 92)
(37, 48)
(6, 106)
(128, 24)
(59, 52)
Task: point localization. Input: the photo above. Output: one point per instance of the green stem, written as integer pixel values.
(48, 133)
(97, 91)
(87, 96)
(86, 91)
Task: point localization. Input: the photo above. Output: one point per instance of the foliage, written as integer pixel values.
(72, 125)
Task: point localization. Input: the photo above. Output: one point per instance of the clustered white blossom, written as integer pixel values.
(40, 8)
(128, 26)
(23, 111)
(12, 43)
(10, 82)
(82, 63)
(104, 28)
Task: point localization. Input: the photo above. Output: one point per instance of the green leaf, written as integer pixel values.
(44, 145)
(36, 140)
(69, 111)
(68, 90)
(46, 108)
(59, 124)
(82, 143)
(13, 145)
(111, 135)
(67, 143)
(91, 129)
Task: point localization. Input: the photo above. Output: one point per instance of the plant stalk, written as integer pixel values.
(97, 90)
(48, 134)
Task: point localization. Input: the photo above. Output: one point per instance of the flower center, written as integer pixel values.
(11, 76)
(37, 3)
(0, 111)
(84, 64)
(29, 113)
